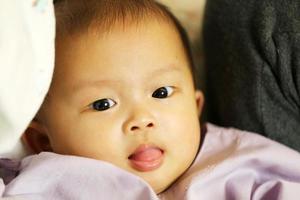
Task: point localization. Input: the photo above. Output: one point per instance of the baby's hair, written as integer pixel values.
(79, 16)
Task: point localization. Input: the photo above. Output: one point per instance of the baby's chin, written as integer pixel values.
(161, 185)
(162, 188)
(161, 179)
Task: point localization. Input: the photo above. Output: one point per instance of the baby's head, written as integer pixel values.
(122, 90)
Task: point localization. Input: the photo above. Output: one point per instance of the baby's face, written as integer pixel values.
(126, 97)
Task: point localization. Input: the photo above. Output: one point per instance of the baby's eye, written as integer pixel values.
(163, 92)
(102, 104)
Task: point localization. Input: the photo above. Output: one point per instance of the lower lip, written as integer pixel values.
(145, 166)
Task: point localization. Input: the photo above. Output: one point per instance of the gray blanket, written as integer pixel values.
(253, 66)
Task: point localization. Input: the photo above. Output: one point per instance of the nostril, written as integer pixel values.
(150, 125)
(134, 128)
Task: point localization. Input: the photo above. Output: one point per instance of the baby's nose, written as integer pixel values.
(139, 123)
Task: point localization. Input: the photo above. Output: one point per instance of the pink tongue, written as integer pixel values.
(147, 155)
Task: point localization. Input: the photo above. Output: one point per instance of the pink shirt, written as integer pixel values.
(232, 164)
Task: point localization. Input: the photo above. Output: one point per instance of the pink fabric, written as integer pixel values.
(231, 165)
(53, 176)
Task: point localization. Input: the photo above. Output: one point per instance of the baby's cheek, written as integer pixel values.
(185, 132)
(189, 130)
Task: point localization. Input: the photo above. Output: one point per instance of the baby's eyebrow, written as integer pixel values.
(169, 69)
(80, 85)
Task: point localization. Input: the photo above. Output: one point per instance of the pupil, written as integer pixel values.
(101, 104)
(160, 93)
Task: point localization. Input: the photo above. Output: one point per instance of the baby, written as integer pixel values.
(123, 92)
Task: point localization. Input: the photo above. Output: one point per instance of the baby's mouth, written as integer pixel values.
(146, 158)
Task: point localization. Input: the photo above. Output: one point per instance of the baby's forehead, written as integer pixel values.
(100, 18)
(149, 46)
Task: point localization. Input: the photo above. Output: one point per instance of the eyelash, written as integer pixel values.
(105, 104)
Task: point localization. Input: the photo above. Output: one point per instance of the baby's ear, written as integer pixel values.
(36, 138)
(199, 101)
